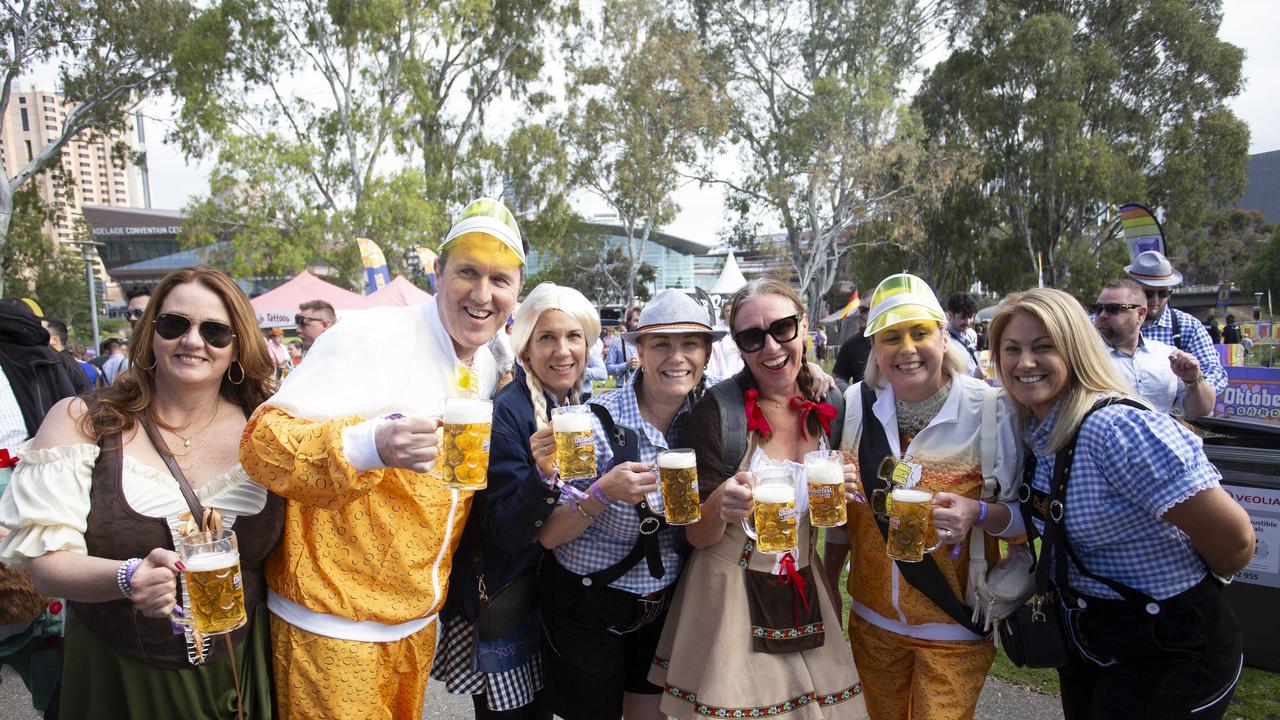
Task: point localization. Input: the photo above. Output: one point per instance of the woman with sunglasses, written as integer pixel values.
(502, 669)
(94, 511)
(750, 633)
(921, 418)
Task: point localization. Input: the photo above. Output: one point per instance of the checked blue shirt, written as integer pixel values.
(1194, 339)
(1130, 467)
(612, 535)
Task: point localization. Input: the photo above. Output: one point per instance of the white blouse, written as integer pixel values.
(46, 507)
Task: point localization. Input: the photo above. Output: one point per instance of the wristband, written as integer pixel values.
(551, 481)
(575, 498)
(982, 512)
(598, 494)
(124, 576)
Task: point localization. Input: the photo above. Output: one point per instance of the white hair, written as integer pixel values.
(549, 296)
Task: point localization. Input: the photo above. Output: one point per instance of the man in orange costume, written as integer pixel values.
(350, 441)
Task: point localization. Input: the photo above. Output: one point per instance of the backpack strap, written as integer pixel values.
(733, 422)
(651, 522)
(987, 441)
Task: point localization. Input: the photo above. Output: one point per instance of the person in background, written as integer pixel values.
(117, 359)
(820, 345)
(314, 318)
(90, 370)
(58, 342)
(1231, 334)
(1151, 528)
(726, 361)
(275, 348)
(1211, 327)
(500, 346)
(596, 371)
(851, 361)
(1171, 326)
(622, 359)
(962, 308)
(295, 352)
(138, 300)
(1166, 377)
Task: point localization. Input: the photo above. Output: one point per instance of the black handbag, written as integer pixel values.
(508, 607)
(1033, 635)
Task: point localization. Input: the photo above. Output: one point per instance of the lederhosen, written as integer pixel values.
(1136, 657)
(117, 532)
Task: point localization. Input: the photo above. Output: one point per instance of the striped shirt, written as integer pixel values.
(1193, 338)
(1130, 467)
(612, 535)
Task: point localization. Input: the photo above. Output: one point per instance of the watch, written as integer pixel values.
(1199, 379)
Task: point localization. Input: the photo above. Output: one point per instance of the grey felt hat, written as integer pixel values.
(673, 312)
(1153, 269)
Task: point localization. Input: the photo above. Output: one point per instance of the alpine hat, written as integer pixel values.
(1154, 270)
(673, 312)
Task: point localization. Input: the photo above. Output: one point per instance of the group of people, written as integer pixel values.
(573, 596)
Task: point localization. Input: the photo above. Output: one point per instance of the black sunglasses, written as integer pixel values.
(1162, 294)
(134, 312)
(781, 330)
(301, 320)
(172, 326)
(1113, 308)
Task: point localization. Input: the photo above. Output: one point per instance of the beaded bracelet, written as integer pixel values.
(124, 577)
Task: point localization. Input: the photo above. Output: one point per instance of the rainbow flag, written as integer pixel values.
(849, 307)
(376, 274)
(1142, 232)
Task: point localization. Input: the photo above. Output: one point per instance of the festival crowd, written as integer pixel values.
(1054, 499)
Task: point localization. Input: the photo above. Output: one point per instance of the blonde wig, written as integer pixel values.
(1090, 372)
(549, 296)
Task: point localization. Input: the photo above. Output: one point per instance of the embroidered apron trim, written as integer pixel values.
(764, 710)
(786, 633)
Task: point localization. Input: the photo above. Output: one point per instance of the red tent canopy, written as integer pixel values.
(277, 307)
(399, 291)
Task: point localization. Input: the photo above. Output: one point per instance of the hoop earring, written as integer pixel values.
(152, 366)
(235, 364)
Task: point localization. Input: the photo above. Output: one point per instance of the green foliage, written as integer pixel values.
(1221, 248)
(1263, 271)
(36, 267)
(1073, 116)
(582, 259)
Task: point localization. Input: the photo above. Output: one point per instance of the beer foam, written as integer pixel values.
(211, 561)
(827, 473)
(465, 411)
(774, 494)
(571, 422)
(908, 495)
(677, 460)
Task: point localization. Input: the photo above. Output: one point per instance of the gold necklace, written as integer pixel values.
(204, 438)
(186, 441)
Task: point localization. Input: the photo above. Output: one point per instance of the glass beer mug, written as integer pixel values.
(575, 443)
(463, 462)
(824, 475)
(678, 481)
(214, 587)
(774, 519)
(908, 509)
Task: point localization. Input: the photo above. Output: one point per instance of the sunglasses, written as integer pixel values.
(134, 312)
(172, 326)
(781, 330)
(1113, 308)
(301, 320)
(1162, 294)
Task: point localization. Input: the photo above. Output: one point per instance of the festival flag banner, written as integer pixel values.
(427, 257)
(1253, 393)
(851, 306)
(1142, 232)
(376, 274)
(1230, 355)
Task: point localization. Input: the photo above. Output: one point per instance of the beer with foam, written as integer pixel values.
(910, 524)
(463, 461)
(678, 480)
(824, 476)
(215, 590)
(575, 443)
(773, 522)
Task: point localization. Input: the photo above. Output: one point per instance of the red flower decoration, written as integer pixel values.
(755, 414)
(791, 576)
(826, 413)
(7, 460)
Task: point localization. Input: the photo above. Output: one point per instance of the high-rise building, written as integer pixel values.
(92, 175)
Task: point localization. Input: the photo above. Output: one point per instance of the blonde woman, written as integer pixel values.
(552, 332)
(919, 654)
(1146, 521)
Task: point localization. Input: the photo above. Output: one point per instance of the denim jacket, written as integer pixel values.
(507, 516)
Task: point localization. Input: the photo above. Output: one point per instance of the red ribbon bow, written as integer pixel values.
(7, 460)
(826, 413)
(755, 414)
(791, 575)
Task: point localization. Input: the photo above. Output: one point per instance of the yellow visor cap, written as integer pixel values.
(902, 298)
(490, 217)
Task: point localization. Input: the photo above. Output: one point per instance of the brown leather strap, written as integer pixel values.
(197, 510)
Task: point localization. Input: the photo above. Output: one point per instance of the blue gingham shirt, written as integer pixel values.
(1130, 467)
(611, 536)
(1195, 340)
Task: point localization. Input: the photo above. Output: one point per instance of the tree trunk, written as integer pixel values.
(6, 216)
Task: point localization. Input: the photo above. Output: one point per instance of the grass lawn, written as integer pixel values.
(1257, 697)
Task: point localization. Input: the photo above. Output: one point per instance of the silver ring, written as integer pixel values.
(949, 533)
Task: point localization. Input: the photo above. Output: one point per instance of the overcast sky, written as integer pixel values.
(1250, 24)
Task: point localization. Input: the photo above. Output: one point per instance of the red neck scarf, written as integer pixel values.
(7, 460)
(756, 421)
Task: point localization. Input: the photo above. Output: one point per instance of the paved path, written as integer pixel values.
(999, 701)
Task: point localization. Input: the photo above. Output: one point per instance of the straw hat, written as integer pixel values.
(672, 312)
(490, 217)
(902, 298)
(1153, 269)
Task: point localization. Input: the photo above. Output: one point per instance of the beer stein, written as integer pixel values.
(464, 453)
(824, 476)
(910, 524)
(773, 523)
(215, 591)
(575, 442)
(893, 473)
(678, 481)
